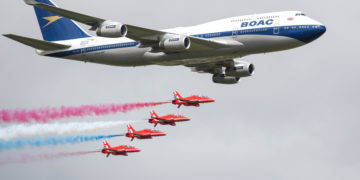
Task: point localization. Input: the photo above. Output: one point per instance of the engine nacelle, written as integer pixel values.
(223, 79)
(242, 69)
(111, 29)
(175, 43)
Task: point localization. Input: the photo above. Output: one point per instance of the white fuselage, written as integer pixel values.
(245, 35)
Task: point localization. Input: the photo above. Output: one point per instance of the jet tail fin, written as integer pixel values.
(54, 27)
(37, 44)
(177, 95)
(153, 114)
(130, 129)
(106, 145)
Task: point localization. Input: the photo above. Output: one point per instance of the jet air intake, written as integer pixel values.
(175, 43)
(242, 69)
(111, 29)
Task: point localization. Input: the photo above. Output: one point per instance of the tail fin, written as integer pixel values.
(177, 95)
(106, 145)
(153, 114)
(56, 28)
(130, 129)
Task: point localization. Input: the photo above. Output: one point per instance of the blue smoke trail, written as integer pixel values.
(38, 142)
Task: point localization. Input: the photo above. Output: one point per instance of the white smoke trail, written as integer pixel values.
(34, 130)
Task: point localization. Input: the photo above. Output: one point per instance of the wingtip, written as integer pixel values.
(30, 2)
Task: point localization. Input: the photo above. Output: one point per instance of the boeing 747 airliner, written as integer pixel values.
(209, 48)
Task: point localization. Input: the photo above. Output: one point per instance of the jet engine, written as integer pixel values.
(111, 29)
(175, 43)
(242, 69)
(223, 79)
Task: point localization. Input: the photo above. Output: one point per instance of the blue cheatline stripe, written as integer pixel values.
(94, 48)
(304, 33)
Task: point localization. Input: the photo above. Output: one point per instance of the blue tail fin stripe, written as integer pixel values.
(56, 28)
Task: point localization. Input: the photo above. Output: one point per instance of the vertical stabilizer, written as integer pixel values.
(106, 145)
(177, 95)
(153, 114)
(57, 28)
(131, 130)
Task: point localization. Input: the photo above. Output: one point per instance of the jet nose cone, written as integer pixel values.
(312, 33)
(321, 30)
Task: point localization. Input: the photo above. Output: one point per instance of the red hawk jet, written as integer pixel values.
(118, 150)
(169, 119)
(190, 101)
(142, 134)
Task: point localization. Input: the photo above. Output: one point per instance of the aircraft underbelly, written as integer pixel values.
(132, 56)
(267, 43)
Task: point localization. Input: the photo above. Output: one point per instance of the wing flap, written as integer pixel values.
(37, 44)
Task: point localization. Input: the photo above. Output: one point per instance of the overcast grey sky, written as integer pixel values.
(296, 118)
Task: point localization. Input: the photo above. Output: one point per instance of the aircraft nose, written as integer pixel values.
(313, 33)
(320, 31)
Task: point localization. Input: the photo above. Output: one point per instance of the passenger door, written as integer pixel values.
(277, 28)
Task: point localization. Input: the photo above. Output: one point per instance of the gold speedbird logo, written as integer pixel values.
(51, 20)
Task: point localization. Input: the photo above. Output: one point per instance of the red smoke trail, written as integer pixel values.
(47, 114)
(25, 158)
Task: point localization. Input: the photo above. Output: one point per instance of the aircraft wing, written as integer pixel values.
(187, 101)
(89, 20)
(147, 37)
(115, 151)
(165, 120)
(142, 135)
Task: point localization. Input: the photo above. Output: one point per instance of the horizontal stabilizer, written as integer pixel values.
(37, 44)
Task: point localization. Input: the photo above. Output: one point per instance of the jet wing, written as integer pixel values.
(143, 135)
(147, 37)
(115, 151)
(187, 101)
(165, 120)
(89, 20)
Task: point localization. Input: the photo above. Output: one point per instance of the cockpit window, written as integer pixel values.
(300, 14)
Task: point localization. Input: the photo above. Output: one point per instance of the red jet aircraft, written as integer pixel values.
(190, 101)
(118, 150)
(169, 119)
(142, 134)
